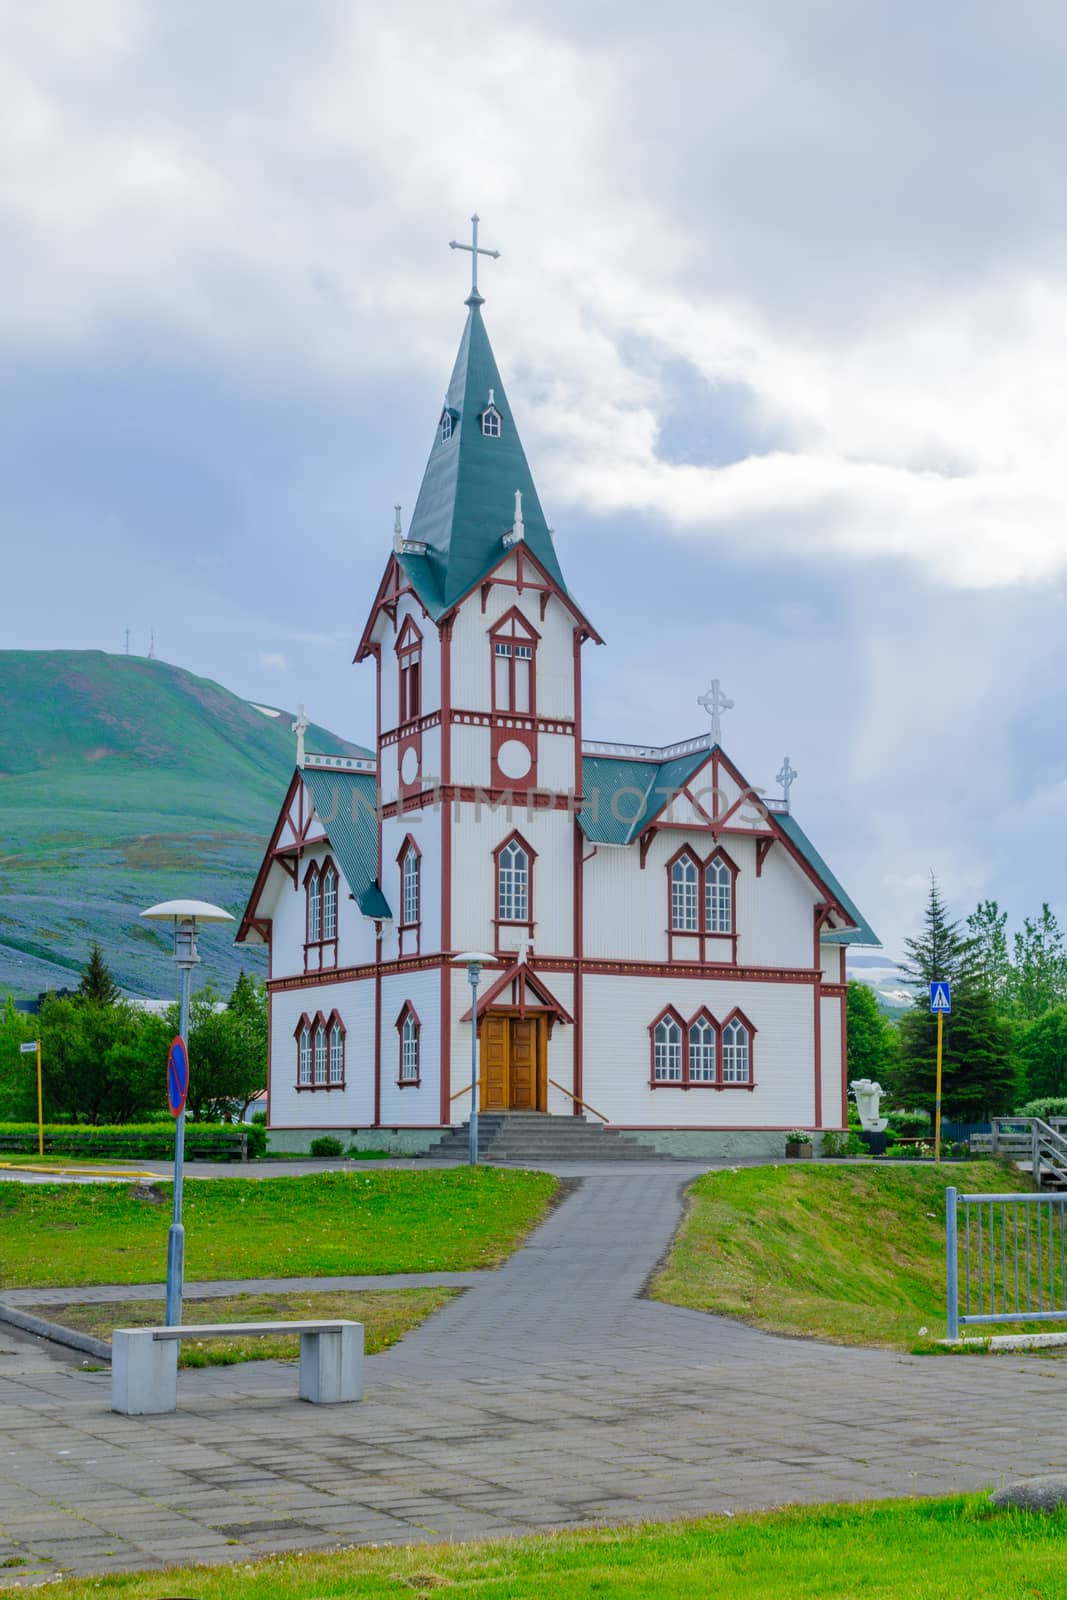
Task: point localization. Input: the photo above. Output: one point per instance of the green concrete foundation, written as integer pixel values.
(397, 1141)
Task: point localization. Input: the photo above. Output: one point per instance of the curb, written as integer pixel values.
(56, 1333)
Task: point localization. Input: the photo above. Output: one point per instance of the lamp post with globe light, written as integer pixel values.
(473, 960)
(186, 915)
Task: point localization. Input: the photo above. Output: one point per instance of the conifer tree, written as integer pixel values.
(97, 983)
(872, 1041)
(978, 1074)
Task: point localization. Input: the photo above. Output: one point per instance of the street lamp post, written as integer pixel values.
(473, 960)
(186, 915)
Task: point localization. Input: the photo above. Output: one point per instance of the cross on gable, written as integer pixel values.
(786, 777)
(715, 703)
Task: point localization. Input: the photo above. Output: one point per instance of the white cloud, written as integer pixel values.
(273, 661)
(278, 194)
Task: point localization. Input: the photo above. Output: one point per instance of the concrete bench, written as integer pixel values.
(144, 1361)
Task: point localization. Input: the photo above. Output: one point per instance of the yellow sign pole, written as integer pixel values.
(937, 1100)
(40, 1105)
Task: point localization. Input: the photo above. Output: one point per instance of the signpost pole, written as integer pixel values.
(937, 1092)
(40, 1105)
(176, 1236)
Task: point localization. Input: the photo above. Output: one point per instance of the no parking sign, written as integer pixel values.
(177, 1076)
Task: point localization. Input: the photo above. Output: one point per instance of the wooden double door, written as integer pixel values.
(514, 1062)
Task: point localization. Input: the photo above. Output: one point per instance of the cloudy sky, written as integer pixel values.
(782, 312)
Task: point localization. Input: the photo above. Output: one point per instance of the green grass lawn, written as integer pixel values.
(850, 1253)
(954, 1549)
(326, 1224)
(386, 1315)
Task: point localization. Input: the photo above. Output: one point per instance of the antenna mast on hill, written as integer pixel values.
(151, 644)
(127, 641)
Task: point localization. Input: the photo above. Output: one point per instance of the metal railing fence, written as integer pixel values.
(1005, 1258)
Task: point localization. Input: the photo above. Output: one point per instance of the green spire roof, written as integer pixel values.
(467, 500)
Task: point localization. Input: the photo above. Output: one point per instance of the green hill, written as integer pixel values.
(123, 782)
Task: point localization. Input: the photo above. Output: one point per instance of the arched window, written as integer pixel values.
(408, 1027)
(409, 663)
(667, 1051)
(701, 1051)
(446, 425)
(685, 877)
(491, 422)
(320, 1053)
(718, 897)
(303, 1071)
(337, 1051)
(314, 893)
(514, 643)
(329, 904)
(410, 886)
(513, 883)
(736, 1065)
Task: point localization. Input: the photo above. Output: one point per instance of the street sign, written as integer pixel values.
(28, 1047)
(941, 998)
(177, 1076)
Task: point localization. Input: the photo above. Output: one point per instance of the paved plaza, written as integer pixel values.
(548, 1395)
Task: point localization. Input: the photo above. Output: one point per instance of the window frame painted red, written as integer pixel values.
(523, 632)
(710, 945)
(410, 946)
(409, 644)
(326, 948)
(504, 923)
(408, 1010)
(703, 1013)
(326, 1026)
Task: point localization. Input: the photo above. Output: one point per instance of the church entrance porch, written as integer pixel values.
(514, 1062)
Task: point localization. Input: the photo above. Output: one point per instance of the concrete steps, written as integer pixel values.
(535, 1136)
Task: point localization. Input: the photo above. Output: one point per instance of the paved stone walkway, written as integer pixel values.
(219, 1288)
(545, 1396)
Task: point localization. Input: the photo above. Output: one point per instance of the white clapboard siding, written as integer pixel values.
(352, 1106)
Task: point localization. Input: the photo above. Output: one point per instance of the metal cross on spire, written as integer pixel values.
(476, 250)
(300, 727)
(787, 777)
(715, 703)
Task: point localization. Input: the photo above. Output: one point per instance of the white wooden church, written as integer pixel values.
(669, 947)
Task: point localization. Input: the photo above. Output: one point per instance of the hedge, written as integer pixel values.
(204, 1141)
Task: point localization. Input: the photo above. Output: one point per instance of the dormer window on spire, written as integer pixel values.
(446, 425)
(491, 419)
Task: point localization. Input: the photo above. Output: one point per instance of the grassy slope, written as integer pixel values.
(329, 1224)
(852, 1253)
(386, 1315)
(953, 1549)
(125, 781)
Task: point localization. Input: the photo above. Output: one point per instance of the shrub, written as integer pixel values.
(846, 1143)
(204, 1141)
(1050, 1106)
(259, 1119)
(326, 1145)
(909, 1124)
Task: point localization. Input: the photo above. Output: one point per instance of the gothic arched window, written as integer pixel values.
(667, 1050)
(685, 877)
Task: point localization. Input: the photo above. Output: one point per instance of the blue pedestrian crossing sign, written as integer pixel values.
(940, 997)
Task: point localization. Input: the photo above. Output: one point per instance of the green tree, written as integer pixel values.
(227, 1050)
(18, 1073)
(987, 926)
(102, 1063)
(978, 1073)
(1042, 1053)
(97, 983)
(1039, 978)
(872, 1044)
